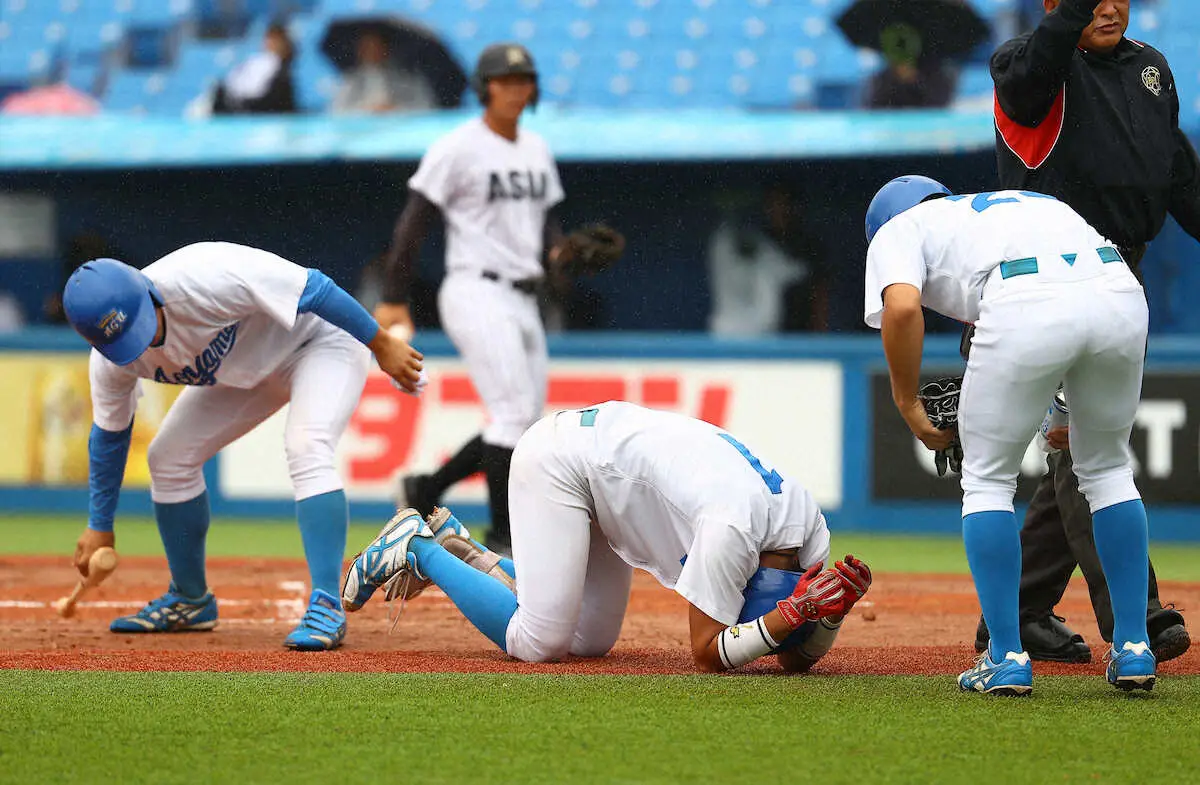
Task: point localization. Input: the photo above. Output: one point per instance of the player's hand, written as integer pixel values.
(856, 579)
(1058, 437)
(918, 422)
(398, 360)
(90, 542)
(819, 595)
(390, 315)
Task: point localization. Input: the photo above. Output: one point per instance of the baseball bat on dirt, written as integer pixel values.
(100, 566)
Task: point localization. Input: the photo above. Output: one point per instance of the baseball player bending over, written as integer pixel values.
(1021, 266)
(599, 491)
(247, 332)
(494, 185)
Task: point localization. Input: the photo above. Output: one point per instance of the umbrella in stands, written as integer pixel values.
(947, 28)
(410, 46)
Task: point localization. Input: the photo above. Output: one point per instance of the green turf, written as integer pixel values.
(48, 534)
(184, 728)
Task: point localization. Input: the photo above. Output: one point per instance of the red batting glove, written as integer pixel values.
(855, 577)
(820, 593)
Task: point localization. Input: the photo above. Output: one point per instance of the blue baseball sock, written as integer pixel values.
(183, 527)
(324, 520)
(1122, 542)
(486, 602)
(508, 567)
(993, 544)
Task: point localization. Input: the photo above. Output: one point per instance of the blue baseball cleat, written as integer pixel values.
(386, 560)
(1012, 676)
(1131, 668)
(323, 627)
(171, 612)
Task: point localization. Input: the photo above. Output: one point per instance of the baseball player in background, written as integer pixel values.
(1021, 266)
(247, 332)
(494, 185)
(596, 492)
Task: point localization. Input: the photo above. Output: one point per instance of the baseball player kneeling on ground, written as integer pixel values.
(248, 332)
(596, 492)
(1046, 293)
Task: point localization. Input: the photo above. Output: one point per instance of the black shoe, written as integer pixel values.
(418, 494)
(501, 546)
(1168, 637)
(1046, 639)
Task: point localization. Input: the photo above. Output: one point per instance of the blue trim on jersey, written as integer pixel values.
(333, 304)
(107, 452)
(1018, 267)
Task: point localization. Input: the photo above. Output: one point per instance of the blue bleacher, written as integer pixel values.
(759, 54)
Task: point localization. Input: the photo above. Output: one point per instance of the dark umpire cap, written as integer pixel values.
(504, 59)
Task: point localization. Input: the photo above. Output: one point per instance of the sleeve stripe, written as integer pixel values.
(762, 630)
(721, 649)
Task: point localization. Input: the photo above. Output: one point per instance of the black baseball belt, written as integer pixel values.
(523, 285)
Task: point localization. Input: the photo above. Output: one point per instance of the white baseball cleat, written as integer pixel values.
(385, 561)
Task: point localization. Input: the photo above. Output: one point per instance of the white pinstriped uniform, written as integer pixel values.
(494, 195)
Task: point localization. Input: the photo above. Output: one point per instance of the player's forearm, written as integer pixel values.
(334, 304)
(107, 454)
(407, 238)
(903, 330)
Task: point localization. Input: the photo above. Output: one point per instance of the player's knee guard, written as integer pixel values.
(483, 560)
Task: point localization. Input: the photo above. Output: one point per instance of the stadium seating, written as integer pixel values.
(149, 55)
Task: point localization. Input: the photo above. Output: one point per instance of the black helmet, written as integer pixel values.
(503, 59)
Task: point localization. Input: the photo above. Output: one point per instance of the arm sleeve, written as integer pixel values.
(335, 305)
(894, 257)
(107, 453)
(401, 257)
(1030, 71)
(717, 569)
(1185, 176)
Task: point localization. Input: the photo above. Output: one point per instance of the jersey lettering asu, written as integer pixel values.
(494, 195)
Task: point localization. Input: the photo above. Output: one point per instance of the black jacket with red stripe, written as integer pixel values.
(1098, 131)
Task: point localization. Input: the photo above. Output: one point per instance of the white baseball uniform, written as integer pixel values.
(1051, 301)
(234, 337)
(494, 195)
(596, 492)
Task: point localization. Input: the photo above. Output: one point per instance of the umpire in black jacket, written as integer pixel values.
(1090, 117)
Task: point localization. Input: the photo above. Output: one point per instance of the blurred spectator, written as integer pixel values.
(763, 270)
(262, 84)
(53, 99)
(378, 85)
(910, 78)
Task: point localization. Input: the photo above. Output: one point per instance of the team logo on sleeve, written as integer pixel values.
(1152, 80)
(112, 323)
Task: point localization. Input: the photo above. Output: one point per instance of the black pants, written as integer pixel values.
(1056, 536)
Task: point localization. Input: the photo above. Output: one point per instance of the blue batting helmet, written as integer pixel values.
(111, 305)
(899, 195)
(768, 586)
